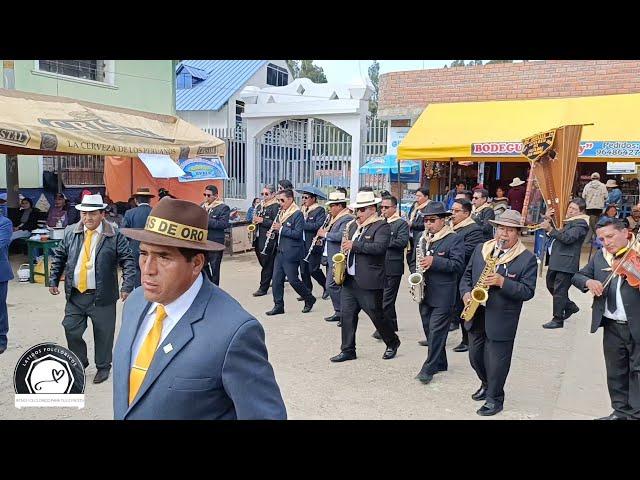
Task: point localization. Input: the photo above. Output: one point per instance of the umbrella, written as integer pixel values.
(388, 164)
(312, 190)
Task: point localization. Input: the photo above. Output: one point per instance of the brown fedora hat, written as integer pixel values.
(175, 223)
(143, 192)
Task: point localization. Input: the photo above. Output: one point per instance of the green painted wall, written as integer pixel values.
(147, 85)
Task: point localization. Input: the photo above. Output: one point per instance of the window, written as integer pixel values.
(239, 111)
(85, 69)
(185, 81)
(277, 76)
(77, 170)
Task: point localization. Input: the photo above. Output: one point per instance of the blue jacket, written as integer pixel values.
(217, 368)
(136, 218)
(291, 244)
(6, 229)
(615, 198)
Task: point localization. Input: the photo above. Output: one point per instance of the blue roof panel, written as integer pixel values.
(224, 79)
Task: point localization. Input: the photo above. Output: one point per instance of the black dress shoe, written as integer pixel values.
(3, 348)
(259, 293)
(570, 311)
(377, 335)
(424, 343)
(480, 394)
(390, 352)
(343, 357)
(613, 416)
(275, 311)
(489, 409)
(554, 324)
(308, 304)
(424, 377)
(102, 375)
(332, 318)
(339, 324)
(453, 327)
(461, 348)
(325, 295)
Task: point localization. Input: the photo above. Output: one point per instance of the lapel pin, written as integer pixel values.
(167, 348)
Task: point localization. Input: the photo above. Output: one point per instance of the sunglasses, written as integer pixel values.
(384, 207)
(281, 200)
(431, 220)
(305, 197)
(476, 198)
(207, 195)
(265, 194)
(361, 209)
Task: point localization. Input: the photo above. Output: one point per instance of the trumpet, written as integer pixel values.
(316, 239)
(271, 234)
(416, 280)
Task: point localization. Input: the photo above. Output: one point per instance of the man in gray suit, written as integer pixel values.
(186, 349)
(137, 218)
(340, 217)
(564, 247)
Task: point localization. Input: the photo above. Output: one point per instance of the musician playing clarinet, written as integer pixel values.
(314, 218)
(615, 304)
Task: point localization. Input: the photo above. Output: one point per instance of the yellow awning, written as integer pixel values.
(493, 131)
(33, 124)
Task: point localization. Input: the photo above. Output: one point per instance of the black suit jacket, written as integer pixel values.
(394, 261)
(269, 215)
(218, 223)
(630, 296)
(472, 236)
(442, 277)
(504, 305)
(291, 245)
(312, 224)
(482, 219)
(370, 251)
(567, 245)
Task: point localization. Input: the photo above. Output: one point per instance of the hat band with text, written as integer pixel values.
(175, 230)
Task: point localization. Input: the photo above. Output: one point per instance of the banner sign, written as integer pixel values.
(587, 149)
(198, 169)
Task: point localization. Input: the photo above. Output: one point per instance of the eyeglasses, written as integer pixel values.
(431, 220)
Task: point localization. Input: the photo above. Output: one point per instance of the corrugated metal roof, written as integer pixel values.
(195, 72)
(224, 79)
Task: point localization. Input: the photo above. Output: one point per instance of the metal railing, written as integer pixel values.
(77, 170)
(235, 160)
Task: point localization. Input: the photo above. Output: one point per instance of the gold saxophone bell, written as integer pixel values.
(479, 294)
(339, 267)
(251, 227)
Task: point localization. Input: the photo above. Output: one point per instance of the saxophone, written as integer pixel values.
(416, 280)
(340, 259)
(251, 228)
(480, 292)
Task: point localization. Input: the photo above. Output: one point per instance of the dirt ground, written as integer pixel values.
(555, 374)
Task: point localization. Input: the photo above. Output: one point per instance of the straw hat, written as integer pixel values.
(143, 192)
(175, 223)
(365, 199)
(336, 197)
(611, 183)
(91, 203)
(509, 218)
(516, 182)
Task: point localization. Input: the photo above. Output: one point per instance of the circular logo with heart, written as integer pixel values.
(48, 368)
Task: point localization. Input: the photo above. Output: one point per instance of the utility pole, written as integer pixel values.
(11, 160)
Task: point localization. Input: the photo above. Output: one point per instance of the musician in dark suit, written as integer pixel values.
(483, 212)
(394, 260)
(218, 222)
(614, 309)
(289, 253)
(416, 224)
(442, 261)
(492, 330)
(137, 218)
(366, 245)
(340, 218)
(472, 236)
(263, 217)
(314, 218)
(564, 247)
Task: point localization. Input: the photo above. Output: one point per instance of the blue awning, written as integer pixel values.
(389, 164)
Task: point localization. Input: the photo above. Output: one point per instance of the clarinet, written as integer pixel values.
(271, 234)
(316, 238)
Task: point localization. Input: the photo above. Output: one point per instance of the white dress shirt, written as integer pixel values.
(351, 270)
(620, 314)
(91, 272)
(175, 311)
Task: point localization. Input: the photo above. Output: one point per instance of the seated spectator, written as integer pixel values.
(57, 216)
(26, 221)
(500, 202)
(634, 219)
(610, 211)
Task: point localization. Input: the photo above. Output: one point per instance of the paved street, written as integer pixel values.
(556, 374)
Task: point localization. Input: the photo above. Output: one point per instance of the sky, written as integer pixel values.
(347, 71)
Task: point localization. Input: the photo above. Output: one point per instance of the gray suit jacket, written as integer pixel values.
(217, 367)
(334, 236)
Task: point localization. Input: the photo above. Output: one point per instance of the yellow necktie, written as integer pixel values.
(86, 258)
(148, 349)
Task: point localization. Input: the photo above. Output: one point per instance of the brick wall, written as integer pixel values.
(406, 94)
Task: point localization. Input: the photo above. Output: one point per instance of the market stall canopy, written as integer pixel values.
(34, 124)
(493, 131)
(388, 164)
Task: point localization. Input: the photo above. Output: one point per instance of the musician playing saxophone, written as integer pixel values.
(441, 265)
(289, 253)
(263, 217)
(340, 217)
(314, 218)
(492, 330)
(365, 246)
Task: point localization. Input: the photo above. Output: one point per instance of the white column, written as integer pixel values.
(252, 160)
(357, 134)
